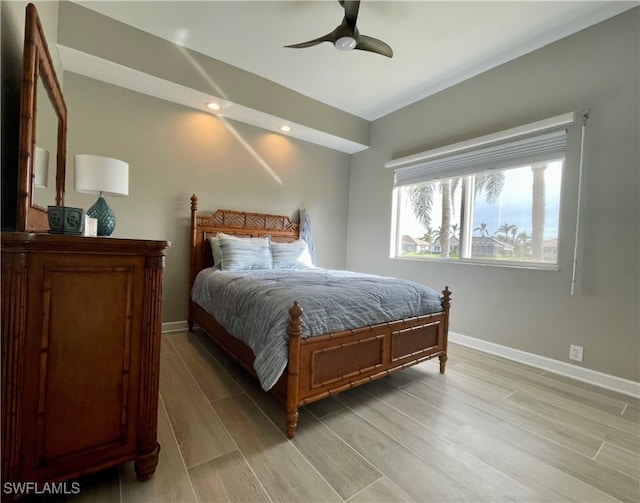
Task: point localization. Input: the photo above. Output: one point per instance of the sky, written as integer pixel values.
(514, 206)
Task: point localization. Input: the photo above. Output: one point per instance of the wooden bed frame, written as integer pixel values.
(324, 365)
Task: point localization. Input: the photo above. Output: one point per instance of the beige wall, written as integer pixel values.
(174, 151)
(528, 310)
(14, 14)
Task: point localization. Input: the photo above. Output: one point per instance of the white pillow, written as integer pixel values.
(215, 251)
(243, 254)
(294, 255)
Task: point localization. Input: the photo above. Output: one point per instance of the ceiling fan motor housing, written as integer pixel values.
(346, 36)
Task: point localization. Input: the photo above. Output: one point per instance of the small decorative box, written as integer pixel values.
(65, 220)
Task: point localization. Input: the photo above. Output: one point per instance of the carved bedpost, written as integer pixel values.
(192, 267)
(194, 210)
(293, 369)
(446, 304)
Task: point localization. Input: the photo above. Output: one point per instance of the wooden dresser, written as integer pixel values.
(81, 324)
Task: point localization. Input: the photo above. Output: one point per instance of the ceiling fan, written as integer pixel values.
(347, 36)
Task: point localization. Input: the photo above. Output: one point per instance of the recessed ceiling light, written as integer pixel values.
(285, 128)
(212, 105)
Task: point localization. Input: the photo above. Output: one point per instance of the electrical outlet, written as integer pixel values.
(576, 353)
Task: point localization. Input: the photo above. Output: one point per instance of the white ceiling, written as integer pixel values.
(436, 43)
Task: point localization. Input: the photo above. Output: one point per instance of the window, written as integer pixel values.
(497, 202)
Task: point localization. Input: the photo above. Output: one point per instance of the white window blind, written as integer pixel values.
(537, 142)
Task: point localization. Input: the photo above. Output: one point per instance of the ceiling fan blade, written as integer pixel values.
(371, 44)
(351, 8)
(347, 36)
(325, 38)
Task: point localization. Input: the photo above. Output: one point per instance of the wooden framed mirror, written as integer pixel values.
(43, 143)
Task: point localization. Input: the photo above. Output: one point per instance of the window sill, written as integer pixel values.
(535, 266)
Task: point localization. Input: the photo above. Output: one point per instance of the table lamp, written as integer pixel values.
(104, 176)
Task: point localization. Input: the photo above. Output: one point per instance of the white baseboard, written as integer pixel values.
(174, 326)
(594, 377)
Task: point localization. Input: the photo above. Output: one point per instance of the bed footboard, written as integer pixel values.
(329, 364)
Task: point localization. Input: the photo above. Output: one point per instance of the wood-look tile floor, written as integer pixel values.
(487, 430)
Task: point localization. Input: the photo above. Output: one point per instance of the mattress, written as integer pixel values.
(253, 306)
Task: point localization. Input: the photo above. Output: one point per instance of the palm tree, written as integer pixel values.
(524, 238)
(455, 230)
(482, 229)
(514, 232)
(492, 182)
(523, 242)
(422, 195)
(436, 235)
(505, 229)
(421, 198)
(445, 234)
(428, 236)
(538, 213)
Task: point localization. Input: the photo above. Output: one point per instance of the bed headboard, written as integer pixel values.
(239, 223)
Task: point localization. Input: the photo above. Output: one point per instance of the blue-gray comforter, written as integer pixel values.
(254, 306)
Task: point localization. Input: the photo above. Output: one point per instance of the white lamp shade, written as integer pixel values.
(40, 167)
(95, 174)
